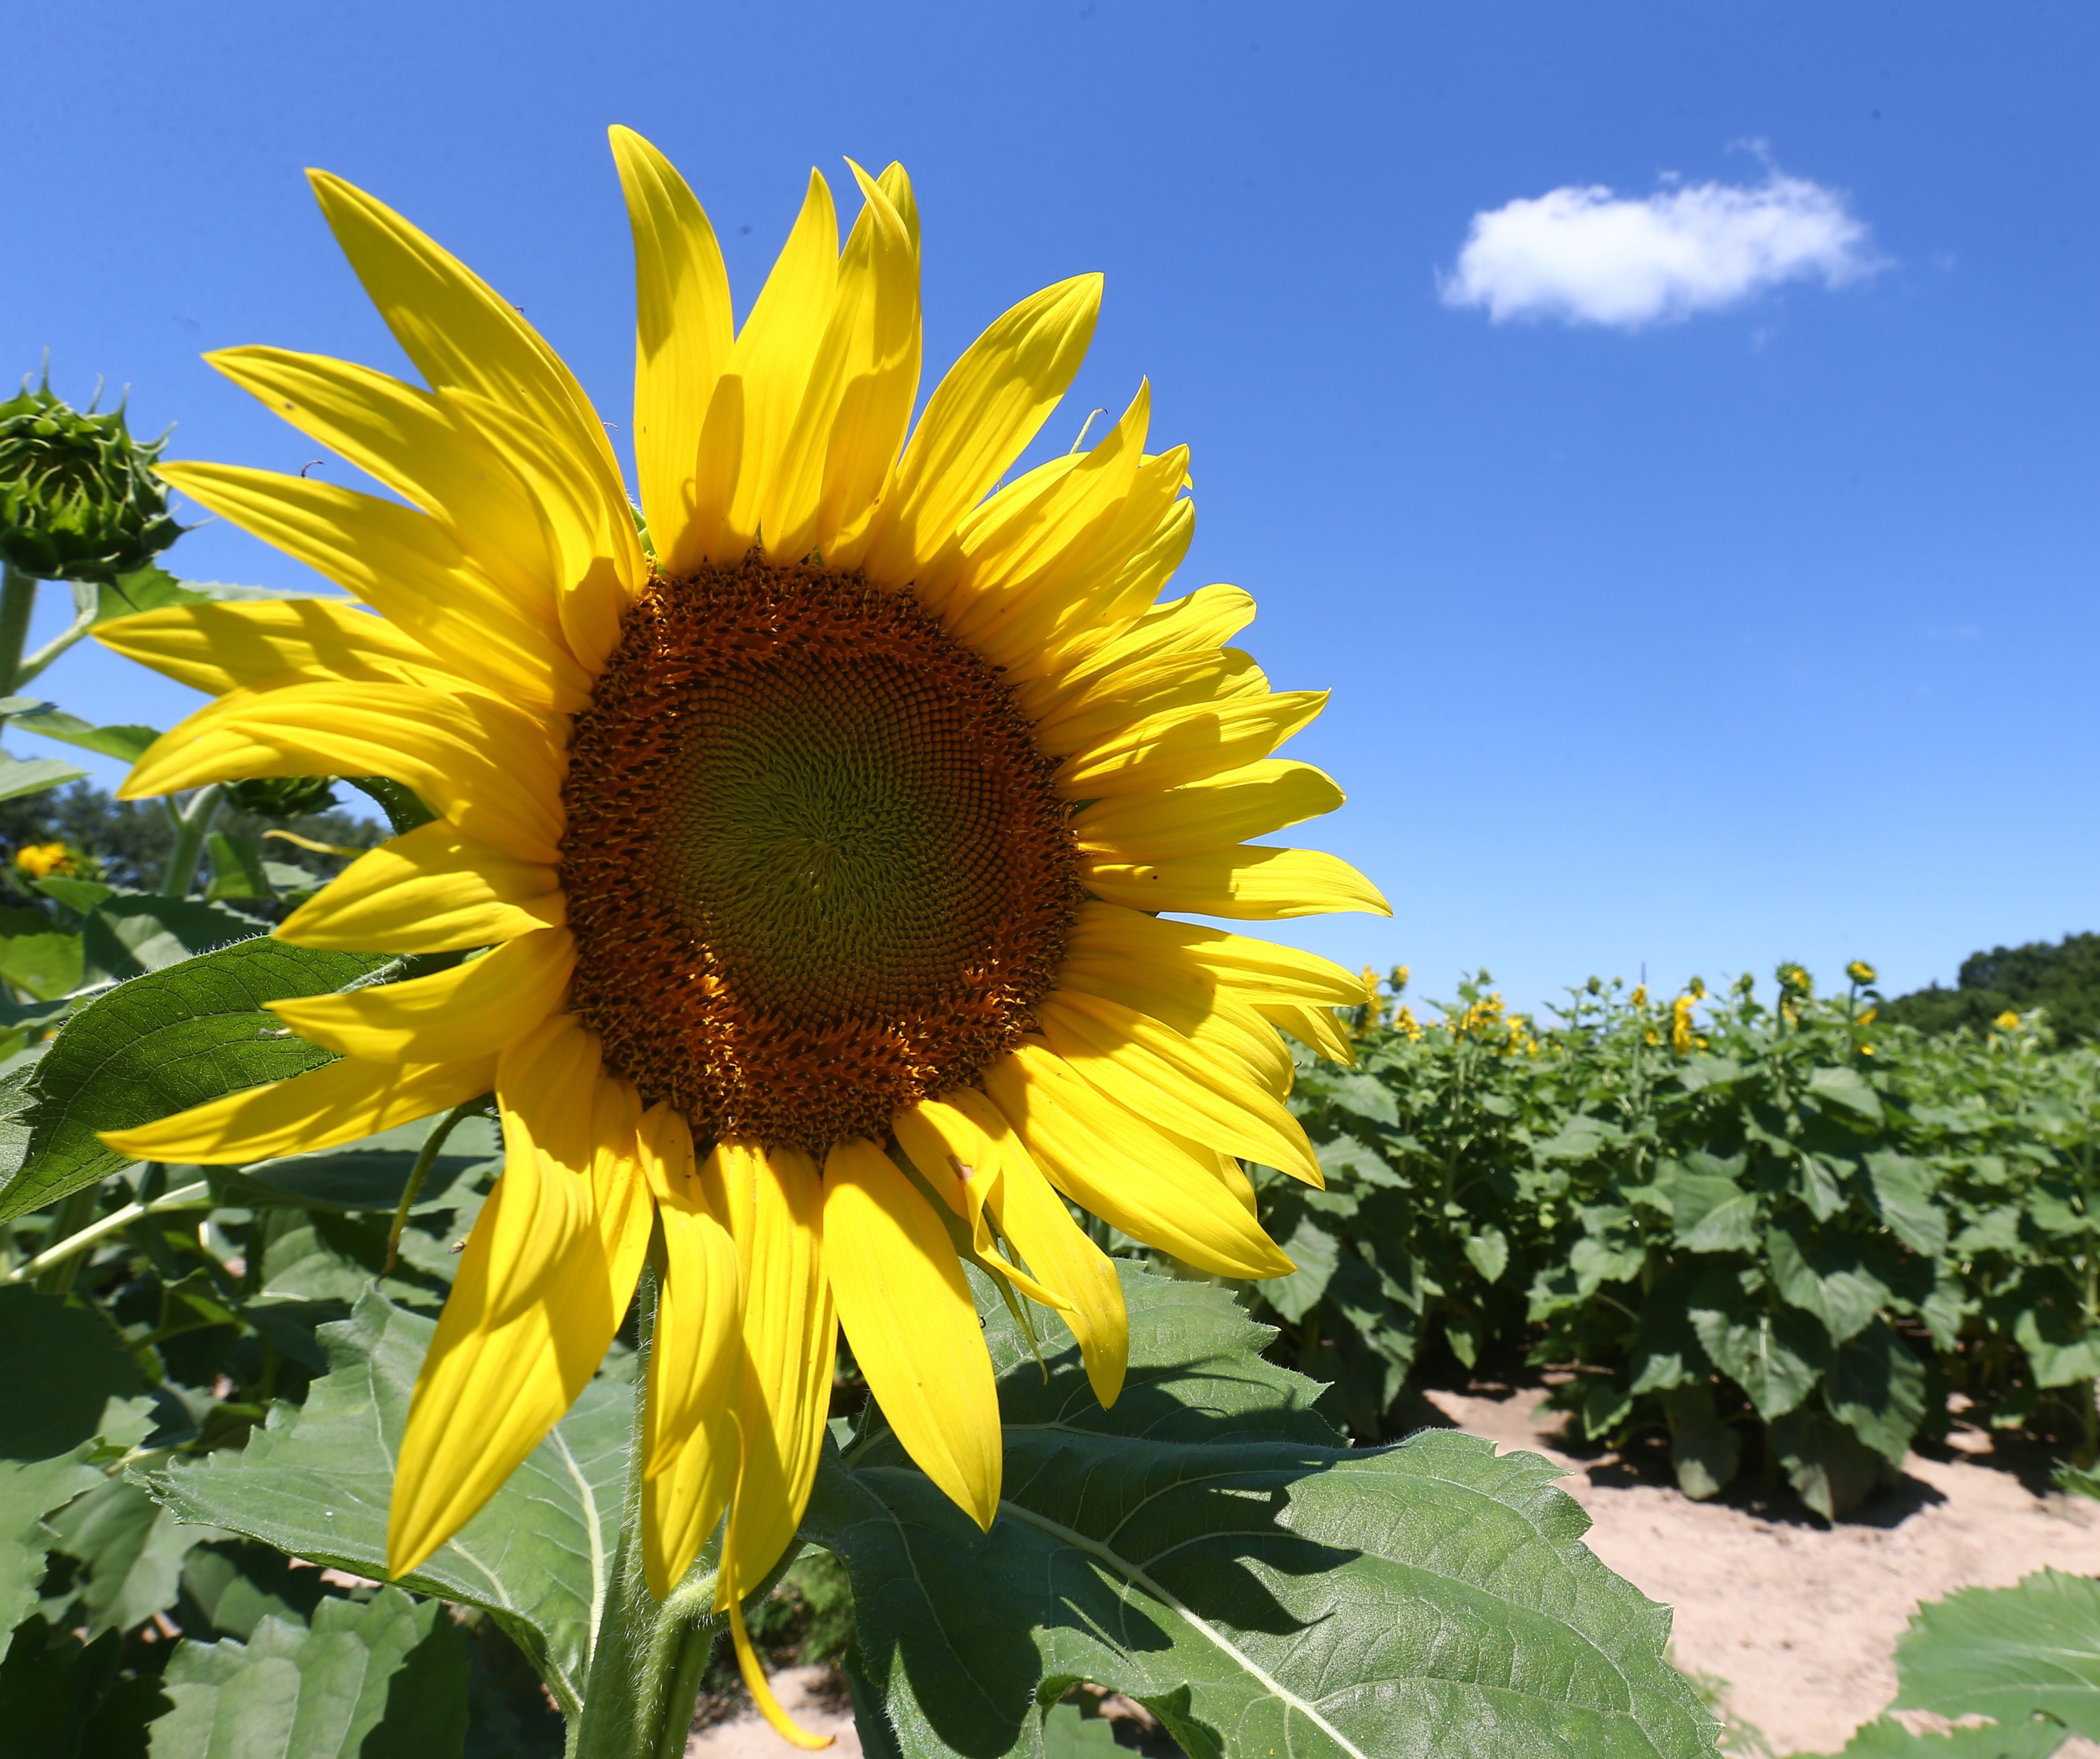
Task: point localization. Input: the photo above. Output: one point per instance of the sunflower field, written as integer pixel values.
(1777, 1233)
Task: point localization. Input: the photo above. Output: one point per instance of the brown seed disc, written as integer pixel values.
(814, 864)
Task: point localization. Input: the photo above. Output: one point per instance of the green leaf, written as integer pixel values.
(1312, 1246)
(386, 1676)
(1487, 1251)
(78, 895)
(372, 1173)
(1774, 1357)
(2007, 1652)
(1705, 1453)
(1829, 1467)
(1847, 1090)
(160, 1043)
(1877, 1390)
(316, 1481)
(35, 776)
(1885, 1738)
(72, 1390)
(1207, 1548)
(1710, 1210)
(238, 869)
(132, 1552)
(126, 743)
(1904, 1194)
(1826, 1271)
(37, 956)
(135, 932)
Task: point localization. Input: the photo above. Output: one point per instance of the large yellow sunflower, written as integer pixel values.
(809, 840)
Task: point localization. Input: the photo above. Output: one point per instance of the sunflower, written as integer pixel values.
(800, 854)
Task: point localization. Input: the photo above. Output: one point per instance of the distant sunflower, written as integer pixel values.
(817, 833)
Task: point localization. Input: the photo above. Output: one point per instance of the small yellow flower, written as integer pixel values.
(1868, 1017)
(2008, 1021)
(1640, 996)
(1860, 972)
(1866, 1051)
(1399, 978)
(1681, 1037)
(1653, 1037)
(1405, 1022)
(41, 860)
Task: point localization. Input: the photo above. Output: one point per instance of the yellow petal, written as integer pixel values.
(1102, 583)
(1316, 1028)
(683, 333)
(858, 403)
(597, 560)
(1033, 1217)
(1019, 547)
(978, 420)
(461, 334)
(772, 1203)
(1260, 970)
(1193, 628)
(1190, 1002)
(409, 569)
(695, 1357)
(1153, 1070)
(407, 438)
(1250, 883)
(492, 769)
(772, 355)
(906, 1309)
(536, 1303)
(336, 1103)
(875, 409)
(472, 1010)
(1104, 616)
(762, 1690)
(963, 1167)
(1187, 681)
(1118, 1167)
(431, 889)
(1186, 745)
(1209, 813)
(218, 647)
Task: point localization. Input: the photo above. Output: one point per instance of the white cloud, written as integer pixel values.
(1588, 256)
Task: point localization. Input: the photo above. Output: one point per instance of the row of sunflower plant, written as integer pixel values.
(1774, 1229)
(447, 1302)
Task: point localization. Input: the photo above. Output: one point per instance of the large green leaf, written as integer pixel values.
(1828, 1272)
(371, 1173)
(315, 1482)
(387, 1675)
(35, 776)
(73, 1396)
(1774, 1356)
(130, 1551)
(128, 933)
(2006, 1653)
(1885, 1738)
(160, 1044)
(127, 743)
(1208, 1548)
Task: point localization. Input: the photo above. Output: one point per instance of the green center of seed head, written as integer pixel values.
(835, 839)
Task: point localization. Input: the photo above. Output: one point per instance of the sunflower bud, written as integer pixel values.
(282, 796)
(79, 499)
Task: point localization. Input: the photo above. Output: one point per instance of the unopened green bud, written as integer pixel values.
(79, 499)
(282, 796)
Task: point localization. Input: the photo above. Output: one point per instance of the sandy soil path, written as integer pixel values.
(1799, 1619)
(1802, 1620)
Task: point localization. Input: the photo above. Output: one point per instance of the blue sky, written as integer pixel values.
(1764, 631)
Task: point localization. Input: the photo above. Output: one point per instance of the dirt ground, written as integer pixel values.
(1793, 1623)
(1801, 1620)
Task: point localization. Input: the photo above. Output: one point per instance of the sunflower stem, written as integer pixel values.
(18, 599)
(190, 828)
(646, 1662)
(426, 1159)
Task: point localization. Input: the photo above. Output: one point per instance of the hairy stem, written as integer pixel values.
(18, 599)
(426, 1159)
(645, 1665)
(190, 828)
